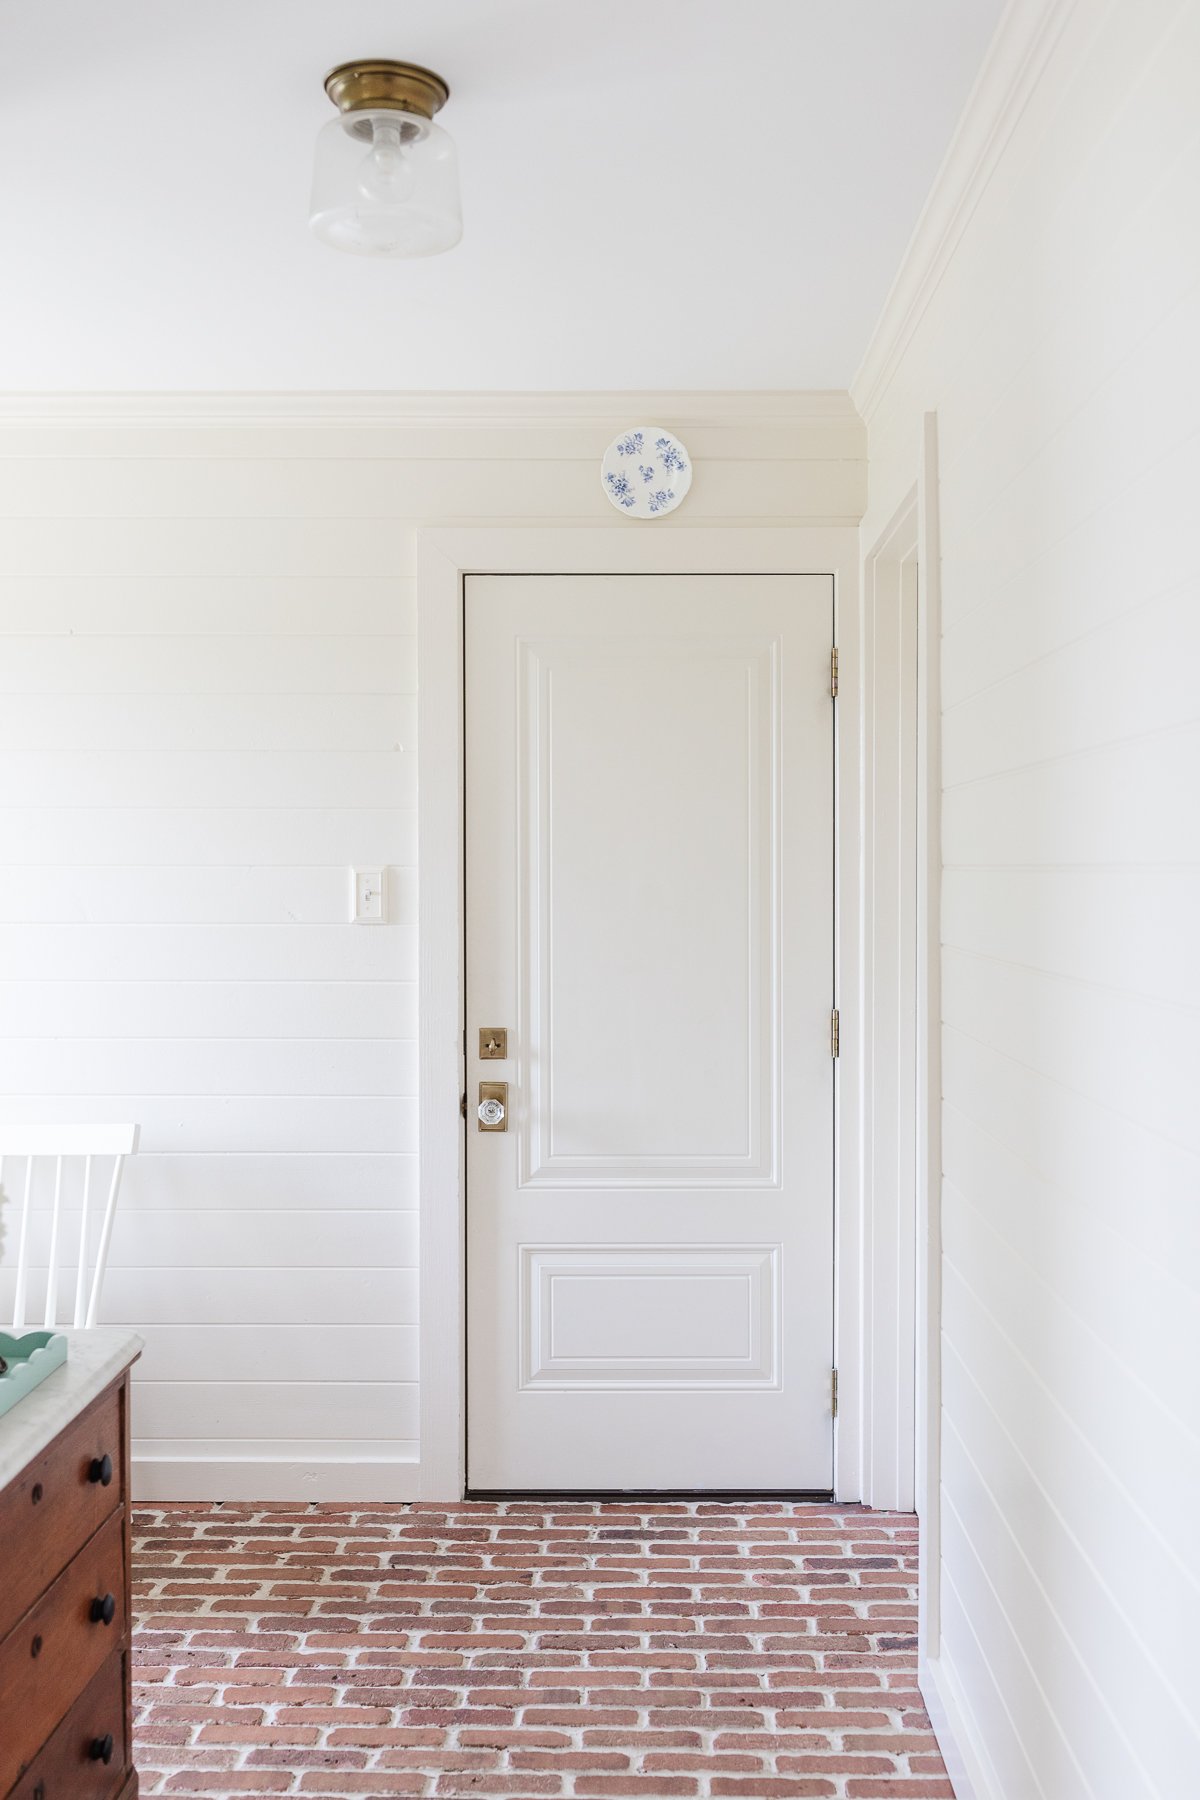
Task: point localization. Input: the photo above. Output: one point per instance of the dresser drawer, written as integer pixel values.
(53, 1653)
(72, 1764)
(57, 1502)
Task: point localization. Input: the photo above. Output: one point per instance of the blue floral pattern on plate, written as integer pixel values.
(646, 472)
(620, 490)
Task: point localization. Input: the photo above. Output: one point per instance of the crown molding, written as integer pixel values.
(355, 410)
(1025, 40)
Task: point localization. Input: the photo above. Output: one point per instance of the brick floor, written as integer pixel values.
(752, 1650)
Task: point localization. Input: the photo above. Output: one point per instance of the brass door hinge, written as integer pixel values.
(835, 1033)
(833, 1397)
(833, 673)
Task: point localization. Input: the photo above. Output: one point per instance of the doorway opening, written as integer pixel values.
(447, 559)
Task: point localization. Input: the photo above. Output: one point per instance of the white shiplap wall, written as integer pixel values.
(207, 714)
(1055, 333)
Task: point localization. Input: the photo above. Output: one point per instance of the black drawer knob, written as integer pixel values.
(104, 1611)
(101, 1470)
(101, 1749)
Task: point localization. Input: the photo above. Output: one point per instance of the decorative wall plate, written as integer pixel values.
(646, 472)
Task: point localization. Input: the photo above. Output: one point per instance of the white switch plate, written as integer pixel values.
(368, 897)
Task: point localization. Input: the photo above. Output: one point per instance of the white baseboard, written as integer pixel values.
(260, 1478)
(967, 1762)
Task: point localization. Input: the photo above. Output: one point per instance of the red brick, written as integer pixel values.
(646, 1739)
(785, 1788)
(683, 1761)
(489, 1785)
(809, 1764)
(636, 1784)
(361, 1784)
(568, 1759)
(228, 1781)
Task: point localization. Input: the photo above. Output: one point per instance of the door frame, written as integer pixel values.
(445, 557)
(902, 1254)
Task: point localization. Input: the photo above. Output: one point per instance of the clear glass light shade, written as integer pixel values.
(385, 183)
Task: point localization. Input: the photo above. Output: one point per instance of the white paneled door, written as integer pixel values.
(649, 875)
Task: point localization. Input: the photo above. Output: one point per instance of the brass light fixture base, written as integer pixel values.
(377, 83)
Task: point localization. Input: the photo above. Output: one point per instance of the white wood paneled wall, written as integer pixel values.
(207, 713)
(1052, 321)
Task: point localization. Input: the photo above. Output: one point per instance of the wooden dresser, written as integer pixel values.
(65, 1718)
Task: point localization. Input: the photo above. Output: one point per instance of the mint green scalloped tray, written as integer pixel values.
(30, 1358)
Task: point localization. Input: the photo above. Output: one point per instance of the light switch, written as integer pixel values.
(367, 897)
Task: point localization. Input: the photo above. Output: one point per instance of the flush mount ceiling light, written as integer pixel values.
(385, 180)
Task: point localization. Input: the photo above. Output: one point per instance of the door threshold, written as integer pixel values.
(726, 1496)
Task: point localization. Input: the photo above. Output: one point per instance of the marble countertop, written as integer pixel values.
(94, 1360)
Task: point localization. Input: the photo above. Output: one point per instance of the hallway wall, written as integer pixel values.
(1049, 312)
(207, 714)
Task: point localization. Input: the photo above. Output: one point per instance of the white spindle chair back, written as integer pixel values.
(62, 1144)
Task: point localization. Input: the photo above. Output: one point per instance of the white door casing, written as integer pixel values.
(650, 914)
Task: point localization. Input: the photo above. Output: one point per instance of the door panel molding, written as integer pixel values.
(756, 1161)
(731, 1293)
(445, 558)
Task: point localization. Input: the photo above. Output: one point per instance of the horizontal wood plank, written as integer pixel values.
(211, 1238)
(90, 723)
(209, 835)
(248, 1123)
(372, 491)
(234, 1410)
(277, 1353)
(268, 1012)
(207, 952)
(177, 664)
(299, 1298)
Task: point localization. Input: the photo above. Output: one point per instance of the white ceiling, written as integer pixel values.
(677, 193)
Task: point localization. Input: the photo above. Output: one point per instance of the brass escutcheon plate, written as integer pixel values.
(495, 1091)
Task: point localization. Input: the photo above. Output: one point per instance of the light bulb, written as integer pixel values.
(385, 175)
(385, 183)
